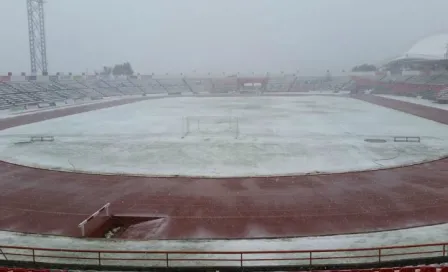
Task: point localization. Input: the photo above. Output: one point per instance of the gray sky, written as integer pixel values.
(213, 35)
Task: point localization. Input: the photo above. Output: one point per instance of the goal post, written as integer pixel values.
(210, 126)
(82, 225)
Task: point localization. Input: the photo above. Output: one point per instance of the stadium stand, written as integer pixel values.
(224, 85)
(125, 86)
(173, 86)
(441, 79)
(280, 84)
(395, 78)
(4, 104)
(199, 85)
(419, 79)
(148, 85)
(102, 87)
(442, 96)
(76, 90)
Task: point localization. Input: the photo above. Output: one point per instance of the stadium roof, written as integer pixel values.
(432, 48)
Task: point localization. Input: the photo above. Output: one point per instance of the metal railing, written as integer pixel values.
(167, 259)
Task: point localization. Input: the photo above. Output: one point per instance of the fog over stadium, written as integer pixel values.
(252, 35)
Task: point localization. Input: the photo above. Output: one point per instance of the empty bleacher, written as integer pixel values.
(76, 89)
(125, 86)
(419, 79)
(102, 87)
(173, 85)
(441, 79)
(149, 86)
(4, 104)
(199, 85)
(279, 84)
(224, 85)
(304, 84)
(395, 78)
(442, 96)
(7, 89)
(22, 93)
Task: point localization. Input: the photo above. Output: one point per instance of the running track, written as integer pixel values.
(42, 201)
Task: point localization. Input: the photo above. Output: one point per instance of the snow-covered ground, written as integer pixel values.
(228, 136)
(416, 100)
(413, 236)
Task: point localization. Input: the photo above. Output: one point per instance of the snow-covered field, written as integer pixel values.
(228, 136)
(414, 236)
(418, 101)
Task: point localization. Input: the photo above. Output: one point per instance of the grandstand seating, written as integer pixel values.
(173, 85)
(224, 85)
(148, 85)
(395, 78)
(76, 89)
(442, 96)
(441, 79)
(280, 84)
(199, 85)
(102, 87)
(420, 79)
(125, 86)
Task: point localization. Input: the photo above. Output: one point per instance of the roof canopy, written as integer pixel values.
(431, 48)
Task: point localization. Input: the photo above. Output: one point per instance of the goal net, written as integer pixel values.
(210, 126)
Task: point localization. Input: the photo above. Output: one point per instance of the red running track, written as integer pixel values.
(50, 202)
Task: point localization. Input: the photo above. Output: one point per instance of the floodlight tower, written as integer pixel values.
(36, 34)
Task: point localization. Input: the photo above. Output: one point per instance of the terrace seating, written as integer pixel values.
(279, 84)
(20, 99)
(420, 79)
(395, 78)
(173, 85)
(6, 88)
(78, 90)
(199, 85)
(442, 96)
(151, 86)
(224, 85)
(441, 79)
(102, 87)
(48, 96)
(4, 104)
(125, 86)
(24, 86)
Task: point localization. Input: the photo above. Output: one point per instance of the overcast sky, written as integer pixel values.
(212, 35)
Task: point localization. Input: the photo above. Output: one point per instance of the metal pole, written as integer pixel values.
(36, 35)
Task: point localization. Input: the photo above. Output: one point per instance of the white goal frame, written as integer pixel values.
(192, 124)
(82, 225)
